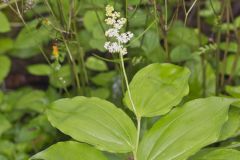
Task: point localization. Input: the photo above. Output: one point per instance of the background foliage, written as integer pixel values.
(182, 52)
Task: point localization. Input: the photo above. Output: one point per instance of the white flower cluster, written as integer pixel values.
(116, 22)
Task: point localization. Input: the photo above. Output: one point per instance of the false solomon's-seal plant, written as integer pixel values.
(98, 127)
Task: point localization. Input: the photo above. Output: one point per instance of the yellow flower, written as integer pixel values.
(55, 51)
(46, 22)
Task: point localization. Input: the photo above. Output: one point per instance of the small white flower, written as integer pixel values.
(130, 35)
(125, 37)
(116, 22)
(106, 45)
(109, 10)
(120, 23)
(112, 32)
(110, 21)
(116, 14)
(123, 51)
(113, 47)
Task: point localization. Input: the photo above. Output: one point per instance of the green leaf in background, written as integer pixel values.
(196, 79)
(217, 154)
(94, 121)
(7, 148)
(4, 124)
(98, 44)
(178, 34)
(150, 41)
(4, 26)
(157, 88)
(104, 79)
(5, 67)
(37, 128)
(24, 53)
(185, 130)
(2, 157)
(231, 47)
(84, 37)
(96, 64)
(233, 91)
(103, 93)
(62, 77)
(5, 44)
(70, 150)
(157, 55)
(39, 69)
(30, 37)
(137, 18)
(232, 127)
(35, 100)
(90, 20)
(180, 53)
(229, 65)
(1, 96)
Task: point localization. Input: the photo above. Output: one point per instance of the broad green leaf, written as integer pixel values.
(4, 124)
(4, 26)
(5, 67)
(5, 45)
(2, 157)
(232, 127)
(98, 44)
(217, 154)
(70, 150)
(179, 34)
(185, 130)
(209, 13)
(30, 37)
(180, 53)
(94, 121)
(137, 18)
(84, 37)
(96, 64)
(196, 79)
(1, 96)
(229, 65)
(39, 69)
(21, 156)
(103, 93)
(7, 148)
(157, 88)
(35, 100)
(91, 21)
(38, 127)
(233, 91)
(62, 77)
(104, 79)
(150, 41)
(157, 55)
(231, 47)
(24, 53)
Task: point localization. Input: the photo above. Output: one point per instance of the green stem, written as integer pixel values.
(126, 81)
(126, 8)
(74, 66)
(133, 106)
(166, 15)
(189, 11)
(137, 138)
